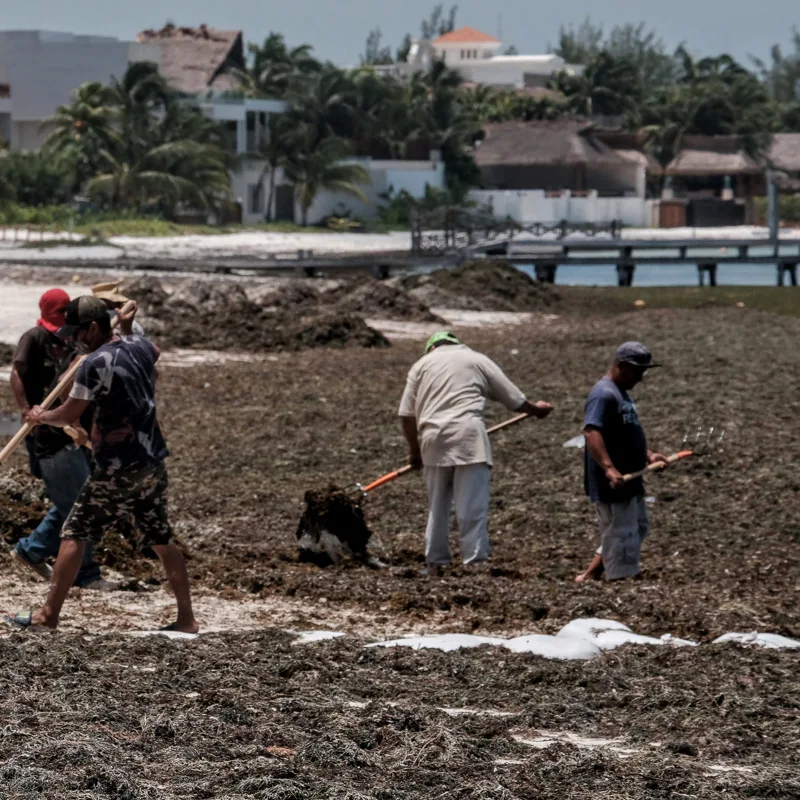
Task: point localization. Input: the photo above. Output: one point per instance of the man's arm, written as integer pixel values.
(412, 437)
(126, 318)
(18, 388)
(505, 391)
(596, 447)
(539, 409)
(67, 414)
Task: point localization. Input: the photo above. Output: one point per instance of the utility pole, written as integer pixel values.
(773, 206)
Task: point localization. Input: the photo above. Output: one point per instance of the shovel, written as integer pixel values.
(337, 515)
(65, 381)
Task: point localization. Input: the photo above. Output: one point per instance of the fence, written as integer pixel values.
(535, 205)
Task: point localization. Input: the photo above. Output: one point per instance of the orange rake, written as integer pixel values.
(363, 491)
(702, 443)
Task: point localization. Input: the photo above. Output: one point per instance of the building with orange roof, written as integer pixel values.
(480, 59)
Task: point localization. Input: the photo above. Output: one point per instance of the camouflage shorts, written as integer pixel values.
(116, 500)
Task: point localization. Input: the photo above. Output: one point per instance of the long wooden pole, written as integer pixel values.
(65, 381)
(20, 435)
(398, 473)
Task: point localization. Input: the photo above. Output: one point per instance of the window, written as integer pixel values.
(462, 55)
(255, 198)
(474, 53)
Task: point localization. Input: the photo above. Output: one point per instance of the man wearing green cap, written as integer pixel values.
(442, 416)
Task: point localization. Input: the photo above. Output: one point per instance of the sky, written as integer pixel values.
(337, 30)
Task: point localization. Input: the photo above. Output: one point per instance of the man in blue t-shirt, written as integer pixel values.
(129, 479)
(616, 446)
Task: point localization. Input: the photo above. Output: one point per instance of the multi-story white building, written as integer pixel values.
(39, 71)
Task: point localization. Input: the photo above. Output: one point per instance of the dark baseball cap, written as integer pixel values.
(81, 313)
(636, 354)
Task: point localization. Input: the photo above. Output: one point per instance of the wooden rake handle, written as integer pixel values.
(65, 381)
(20, 435)
(657, 467)
(393, 476)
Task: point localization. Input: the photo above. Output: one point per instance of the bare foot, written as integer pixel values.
(589, 575)
(40, 619)
(180, 627)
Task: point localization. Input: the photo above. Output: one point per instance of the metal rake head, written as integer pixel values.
(703, 441)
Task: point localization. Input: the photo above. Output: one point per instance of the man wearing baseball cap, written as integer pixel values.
(39, 360)
(442, 417)
(129, 477)
(616, 446)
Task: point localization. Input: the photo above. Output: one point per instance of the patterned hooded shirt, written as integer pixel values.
(119, 378)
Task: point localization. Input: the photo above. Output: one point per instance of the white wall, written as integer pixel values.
(532, 206)
(509, 70)
(411, 176)
(45, 68)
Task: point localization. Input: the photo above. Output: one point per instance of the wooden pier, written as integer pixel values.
(708, 255)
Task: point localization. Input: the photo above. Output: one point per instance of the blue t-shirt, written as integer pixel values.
(612, 411)
(119, 378)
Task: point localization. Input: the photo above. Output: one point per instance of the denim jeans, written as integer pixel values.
(64, 476)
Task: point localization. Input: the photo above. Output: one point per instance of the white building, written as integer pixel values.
(39, 71)
(478, 58)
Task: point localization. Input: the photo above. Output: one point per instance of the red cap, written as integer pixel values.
(53, 305)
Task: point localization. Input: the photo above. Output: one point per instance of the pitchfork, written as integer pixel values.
(702, 442)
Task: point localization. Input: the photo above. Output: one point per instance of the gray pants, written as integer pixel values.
(468, 486)
(623, 528)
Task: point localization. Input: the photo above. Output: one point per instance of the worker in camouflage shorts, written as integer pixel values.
(129, 479)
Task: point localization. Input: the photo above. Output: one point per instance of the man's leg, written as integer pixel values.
(622, 542)
(97, 504)
(43, 542)
(594, 572)
(175, 569)
(65, 476)
(68, 563)
(472, 486)
(152, 520)
(439, 482)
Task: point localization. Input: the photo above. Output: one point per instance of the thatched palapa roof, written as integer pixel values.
(712, 155)
(197, 60)
(567, 143)
(784, 154)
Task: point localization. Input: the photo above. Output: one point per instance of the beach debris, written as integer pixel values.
(332, 527)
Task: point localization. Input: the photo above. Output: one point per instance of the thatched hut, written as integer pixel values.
(195, 61)
(554, 155)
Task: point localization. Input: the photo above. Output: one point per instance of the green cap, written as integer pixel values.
(439, 337)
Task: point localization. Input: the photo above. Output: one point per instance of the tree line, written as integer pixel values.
(136, 144)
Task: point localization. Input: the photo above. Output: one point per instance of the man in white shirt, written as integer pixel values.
(442, 417)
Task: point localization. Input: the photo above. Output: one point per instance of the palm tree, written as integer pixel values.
(274, 66)
(318, 166)
(89, 113)
(169, 174)
(276, 149)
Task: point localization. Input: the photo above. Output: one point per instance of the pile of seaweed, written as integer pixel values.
(482, 286)
(218, 315)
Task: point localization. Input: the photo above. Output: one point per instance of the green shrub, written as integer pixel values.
(789, 206)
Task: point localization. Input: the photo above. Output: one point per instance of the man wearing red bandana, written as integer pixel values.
(40, 358)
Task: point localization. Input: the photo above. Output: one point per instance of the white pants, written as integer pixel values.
(468, 486)
(623, 527)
